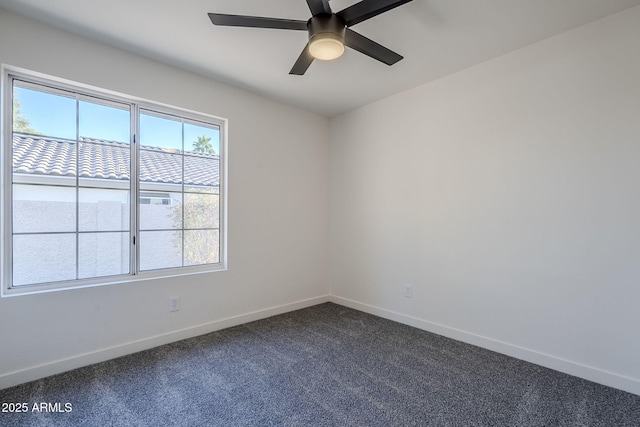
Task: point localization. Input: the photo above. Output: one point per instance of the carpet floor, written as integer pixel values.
(322, 366)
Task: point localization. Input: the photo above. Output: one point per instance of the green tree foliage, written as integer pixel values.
(20, 123)
(201, 212)
(203, 145)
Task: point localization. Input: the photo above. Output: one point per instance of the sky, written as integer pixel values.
(55, 116)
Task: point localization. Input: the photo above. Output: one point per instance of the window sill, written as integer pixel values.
(111, 280)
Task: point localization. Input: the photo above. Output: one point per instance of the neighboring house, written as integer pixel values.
(49, 174)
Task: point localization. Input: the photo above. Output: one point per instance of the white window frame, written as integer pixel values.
(8, 73)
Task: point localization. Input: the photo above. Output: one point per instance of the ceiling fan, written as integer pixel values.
(329, 32)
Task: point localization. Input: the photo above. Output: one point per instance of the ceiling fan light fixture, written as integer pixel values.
(328, 31)
(326, 47)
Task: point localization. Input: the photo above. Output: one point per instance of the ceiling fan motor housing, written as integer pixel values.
(327, 26)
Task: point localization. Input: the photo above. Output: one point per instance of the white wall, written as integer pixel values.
(278, 219)
(508, 195)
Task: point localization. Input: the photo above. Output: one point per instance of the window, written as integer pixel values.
(155, 199)
(100, 188)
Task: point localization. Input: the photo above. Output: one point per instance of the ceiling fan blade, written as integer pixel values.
(368, 9)
(318, 7)
(256, 22)
(370, 48)
(302, 64)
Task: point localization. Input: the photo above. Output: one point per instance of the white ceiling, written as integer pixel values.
(436, 37)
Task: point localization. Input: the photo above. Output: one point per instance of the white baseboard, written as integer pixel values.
(611, 379)
(51, 368)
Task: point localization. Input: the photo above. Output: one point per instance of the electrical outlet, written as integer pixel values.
(408, 291)
(174, 303)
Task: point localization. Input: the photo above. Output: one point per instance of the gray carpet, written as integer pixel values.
(322, 366)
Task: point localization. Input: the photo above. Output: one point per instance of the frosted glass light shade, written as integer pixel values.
(326, 48)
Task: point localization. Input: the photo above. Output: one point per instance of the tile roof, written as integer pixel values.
(103, 159)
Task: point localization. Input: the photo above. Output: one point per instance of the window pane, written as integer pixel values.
(160, 249)
(43, 208)
(41, 258)
(43, 111)
(104, 121)
(160, 130)
(158, 167)
(103, 254)
(201, 247)
(201, 171)
(103, 210)
(201, 211)
(201, 139)
(161, 216)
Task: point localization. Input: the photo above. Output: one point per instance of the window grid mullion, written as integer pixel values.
(77, 151)
(134, 191)
(182, 193)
